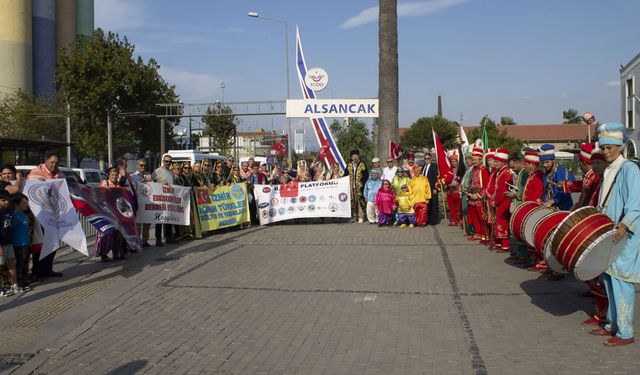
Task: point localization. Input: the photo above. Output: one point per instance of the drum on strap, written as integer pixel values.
(583, 243)
(542, 234)
(518, 218)
(532, 220)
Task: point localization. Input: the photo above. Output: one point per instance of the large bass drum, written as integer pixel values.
(519, 217)
(583, 243)
(542, 234)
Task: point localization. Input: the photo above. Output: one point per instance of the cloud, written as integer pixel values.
(192, 86)
(408, 8)
(564, 95)
(613, 83)
(117, 15)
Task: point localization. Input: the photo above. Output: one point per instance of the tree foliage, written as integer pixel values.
(497, 137)
(506, 120)
(419, 135)
(221, 127)
(22, 116)
(571, 116)
(102, 76)
(353, 135)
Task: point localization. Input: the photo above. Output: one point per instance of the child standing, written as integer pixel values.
(406, 215)
(21, 238)
(421, 191)
(385, 202)
(7, 256)
(371, 187)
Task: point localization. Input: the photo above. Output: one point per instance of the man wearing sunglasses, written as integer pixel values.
(164, 175)
(389, 172)
(140, 176)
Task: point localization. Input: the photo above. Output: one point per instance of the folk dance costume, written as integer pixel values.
(532, 192)
(619, 199)
(468, 230)
(421, 190)
(521, 249)
(489, 201)
(454, 201)
(553, 180)
(586, 186)
(477, 186)
(501, 202)
(358, 175)
(385, 202)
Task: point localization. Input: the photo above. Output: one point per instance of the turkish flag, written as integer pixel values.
(281, 149)
(395, 151)
(445, 171)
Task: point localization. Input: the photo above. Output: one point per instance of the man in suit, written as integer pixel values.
(431, 171)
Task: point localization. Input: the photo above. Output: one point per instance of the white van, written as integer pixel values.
(91, 176)
(193, 156)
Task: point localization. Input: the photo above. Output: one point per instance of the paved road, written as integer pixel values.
(306, 299)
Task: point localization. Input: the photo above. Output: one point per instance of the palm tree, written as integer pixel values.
(387, 75)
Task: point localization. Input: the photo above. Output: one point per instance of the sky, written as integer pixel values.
(529, 60)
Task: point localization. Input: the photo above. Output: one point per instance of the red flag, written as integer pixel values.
(395, 151)
(281, 149)
(445, 172)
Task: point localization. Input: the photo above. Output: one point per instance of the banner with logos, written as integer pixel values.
(107, 209)
(297, 200)
(164, 204)
(226, 206)
(50, 203)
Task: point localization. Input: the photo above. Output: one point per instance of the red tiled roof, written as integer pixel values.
(540, 133)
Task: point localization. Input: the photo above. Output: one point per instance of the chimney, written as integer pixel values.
(440, 105)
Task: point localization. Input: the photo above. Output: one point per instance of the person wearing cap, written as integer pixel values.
(406, 213)
(501, 202)
(489, 200)
(408, 165)
(371, 187)
(421, 191)
(475, 192)
(520, 253)
(585, 186)
(554, 176)
(357, 172)
(619, 200)
(453, 192)
(465, 182)
(375, 163)
(389, 172)
(533, 192)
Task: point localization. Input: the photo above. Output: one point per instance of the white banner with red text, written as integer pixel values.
(297, 200)
(164, 204)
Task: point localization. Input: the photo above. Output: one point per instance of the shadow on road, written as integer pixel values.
(128, 368)
(558, 298)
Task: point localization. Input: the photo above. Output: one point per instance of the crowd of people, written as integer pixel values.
(485, 190)
(489, 194)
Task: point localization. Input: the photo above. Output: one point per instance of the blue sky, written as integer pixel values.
(526, 59)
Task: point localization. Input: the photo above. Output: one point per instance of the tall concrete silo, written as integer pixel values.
(15, 46)
(65, 24)
(84, 18)
(44, 47)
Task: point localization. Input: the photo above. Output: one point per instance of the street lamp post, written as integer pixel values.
(286, 64)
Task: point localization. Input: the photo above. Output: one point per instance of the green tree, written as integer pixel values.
(506, 120)
(353, 135)
(387, 128)
(100, 77)
(22, 116)
(497, 138)
(420, 136)
(221, 127)
(571, 116)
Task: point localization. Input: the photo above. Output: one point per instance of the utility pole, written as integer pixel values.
(109, 140)
(68, 135)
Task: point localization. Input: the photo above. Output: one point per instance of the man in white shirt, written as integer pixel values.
(390, 170)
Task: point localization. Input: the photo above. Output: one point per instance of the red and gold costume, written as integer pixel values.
(454, 202)
(502, 203)
(534, 187)
(489, 204)
(475, 211)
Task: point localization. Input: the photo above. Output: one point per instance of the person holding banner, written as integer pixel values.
(140, 176)
(255, 178)
(46, 171)
(113, 241)
(336, 171)
(164, 175)
(218, 177)
(234, 176)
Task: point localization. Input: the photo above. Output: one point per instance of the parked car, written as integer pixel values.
(91, 176)
(69, 173)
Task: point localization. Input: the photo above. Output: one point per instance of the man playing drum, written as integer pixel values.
(554, 176)
(521, 252)
(503, 179)
(621, 204)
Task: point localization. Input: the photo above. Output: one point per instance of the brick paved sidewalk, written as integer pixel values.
(307, 299)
